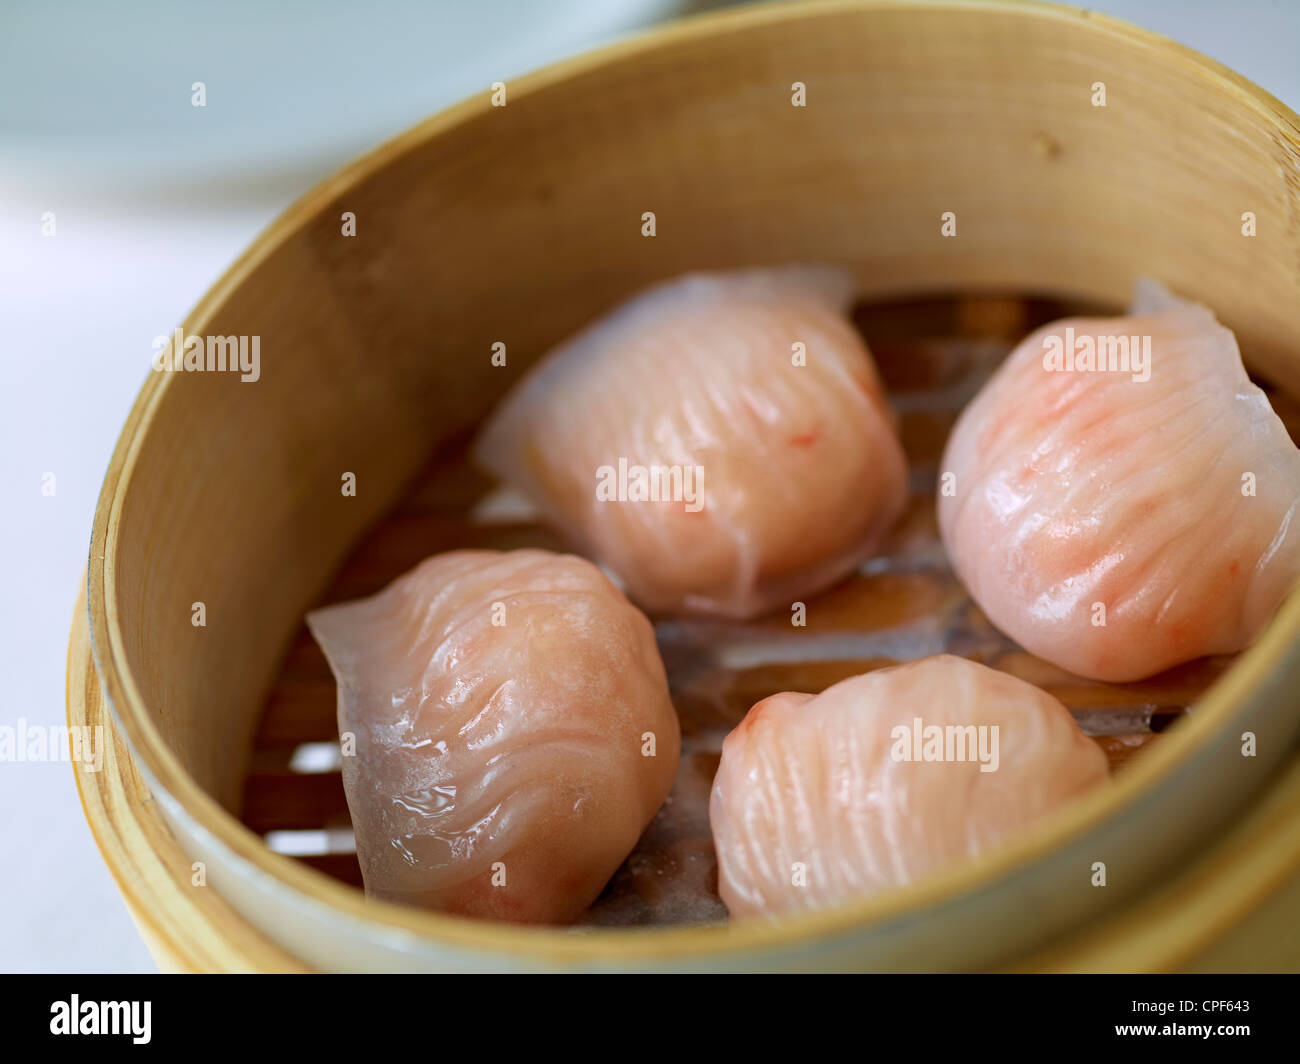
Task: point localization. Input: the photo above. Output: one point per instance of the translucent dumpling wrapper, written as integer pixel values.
(513, 732)
(885, 777)
(721, 442)
(1120, 515)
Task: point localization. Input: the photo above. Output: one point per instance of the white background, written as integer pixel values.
(153, 199)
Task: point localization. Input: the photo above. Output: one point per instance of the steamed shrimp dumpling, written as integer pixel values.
(722, 441)
(856, 788)
(514, 733)
(1119, 521)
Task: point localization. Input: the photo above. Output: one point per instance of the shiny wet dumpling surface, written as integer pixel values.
(754, 391)
(1117, 526)
(815, 801)
(503, 706)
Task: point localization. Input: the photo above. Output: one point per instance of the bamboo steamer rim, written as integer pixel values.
(182, 796)
(186, 930)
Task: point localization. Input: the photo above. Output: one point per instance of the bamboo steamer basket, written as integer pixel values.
(518, 224)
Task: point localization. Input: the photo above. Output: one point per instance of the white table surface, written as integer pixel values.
(78, 313)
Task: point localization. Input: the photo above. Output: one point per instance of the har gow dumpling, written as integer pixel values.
(721, 442)
(1119, 517)
(514, 733)
(885, 777)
